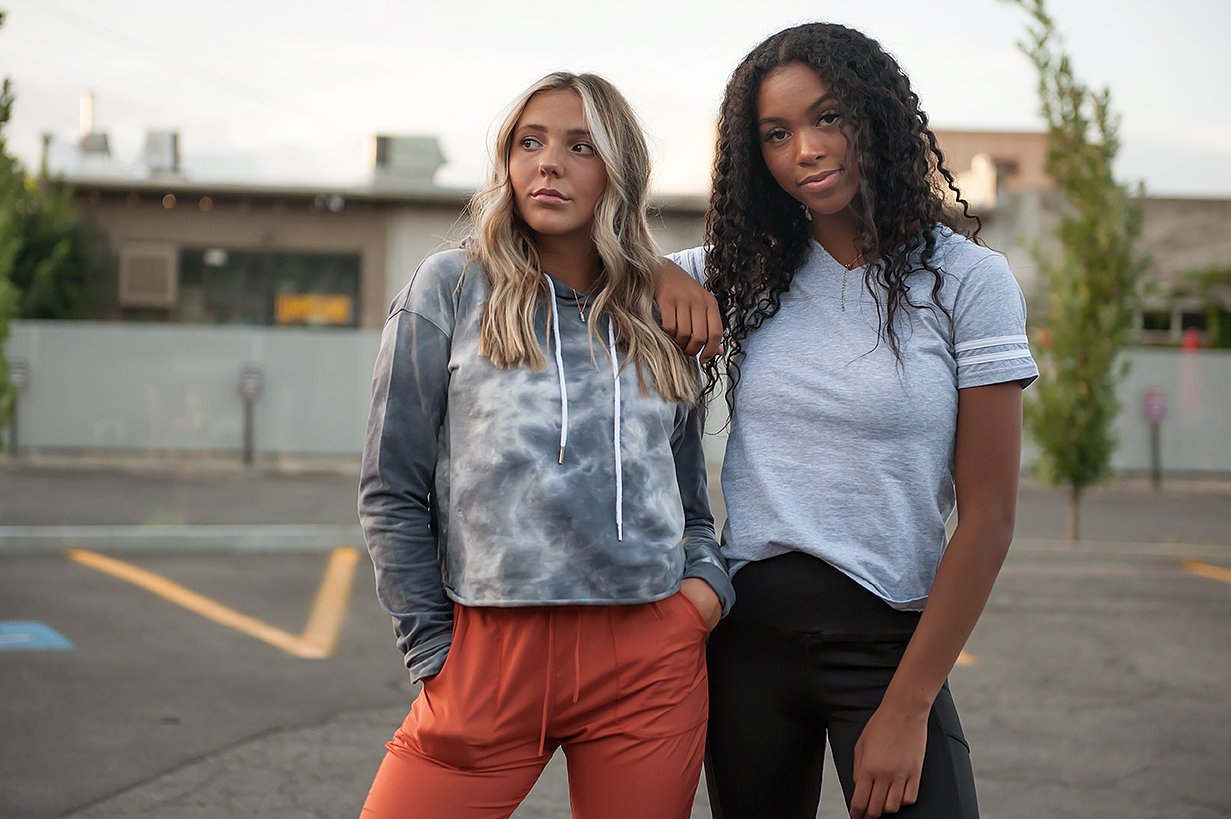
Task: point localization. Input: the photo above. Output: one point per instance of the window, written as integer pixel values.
(221, 286)
(1156, 320)
(1193, 320)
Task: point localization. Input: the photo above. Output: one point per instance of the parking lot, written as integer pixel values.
(209, 681)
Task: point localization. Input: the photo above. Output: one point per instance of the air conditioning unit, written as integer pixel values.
(149, 275)
(162, 152)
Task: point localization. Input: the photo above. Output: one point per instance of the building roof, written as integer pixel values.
(378, 193)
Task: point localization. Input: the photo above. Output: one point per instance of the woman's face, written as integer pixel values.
(556, 173)
(805, 143)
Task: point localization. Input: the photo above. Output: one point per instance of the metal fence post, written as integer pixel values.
(251, 383)
(19, 377)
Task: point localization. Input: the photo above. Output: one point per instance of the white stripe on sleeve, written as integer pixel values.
(981, 343)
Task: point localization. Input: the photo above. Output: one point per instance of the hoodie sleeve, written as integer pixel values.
(702, 558)
(409, 396)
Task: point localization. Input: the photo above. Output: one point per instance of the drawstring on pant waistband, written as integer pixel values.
(551, 656)
(551, 670)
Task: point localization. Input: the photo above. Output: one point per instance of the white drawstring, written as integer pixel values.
(615, 380)
(555, 326)
(619, 461)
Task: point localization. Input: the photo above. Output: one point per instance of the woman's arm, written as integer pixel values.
(409, 391)
(987, 459)
(689, 311)
(706, 582)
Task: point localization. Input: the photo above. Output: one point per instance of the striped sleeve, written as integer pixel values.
(693, 262)
(989, 319)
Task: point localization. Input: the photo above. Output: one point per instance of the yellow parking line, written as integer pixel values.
(329, 607)
(1206, 570)
(966, 659)
(319, 636)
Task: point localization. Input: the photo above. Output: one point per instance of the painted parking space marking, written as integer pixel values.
(316, 642)
(30, 635)
(1206, 570)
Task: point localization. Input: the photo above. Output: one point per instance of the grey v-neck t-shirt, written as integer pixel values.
(836, 450)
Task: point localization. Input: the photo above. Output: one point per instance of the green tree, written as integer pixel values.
(1091, 278)
(53, 260)
(11, 181)
(57, 262)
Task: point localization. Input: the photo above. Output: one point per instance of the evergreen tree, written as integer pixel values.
(1091, 279)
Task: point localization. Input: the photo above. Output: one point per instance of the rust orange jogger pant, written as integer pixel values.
(622, 689)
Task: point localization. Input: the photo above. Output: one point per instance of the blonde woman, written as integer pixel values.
(533, 491)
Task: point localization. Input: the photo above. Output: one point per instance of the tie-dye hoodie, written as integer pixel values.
(495, 487)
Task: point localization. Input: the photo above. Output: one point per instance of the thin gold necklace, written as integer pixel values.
(581, 306)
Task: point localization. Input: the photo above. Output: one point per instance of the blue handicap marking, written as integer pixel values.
(28, 635)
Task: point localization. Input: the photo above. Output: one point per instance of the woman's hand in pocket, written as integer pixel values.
(703, 597)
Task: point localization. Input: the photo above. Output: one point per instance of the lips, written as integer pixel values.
(820, 182)
(549, 196)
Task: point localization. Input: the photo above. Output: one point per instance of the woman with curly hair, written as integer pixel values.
(875, 363)
(533, 491)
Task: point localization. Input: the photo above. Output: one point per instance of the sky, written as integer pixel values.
(282, 92)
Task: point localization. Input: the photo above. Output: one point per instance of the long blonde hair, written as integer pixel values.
(504, 247)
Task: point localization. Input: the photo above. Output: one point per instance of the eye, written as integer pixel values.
(529, 143)
(584, 148)
(829, 118)
(774, 135)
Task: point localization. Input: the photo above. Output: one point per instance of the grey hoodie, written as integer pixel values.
(463, 494)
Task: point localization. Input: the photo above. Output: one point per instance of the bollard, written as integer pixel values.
(251, 382)
(1156, 411)
(19, 377)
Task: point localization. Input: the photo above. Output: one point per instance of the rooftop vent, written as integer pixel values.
(410, 161)
(95, 144)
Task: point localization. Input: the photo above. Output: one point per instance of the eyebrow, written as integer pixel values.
(583, 132)
(829, 97)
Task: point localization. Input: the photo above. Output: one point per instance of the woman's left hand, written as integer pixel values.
(704, 598)
(889, 761)
(689, 311)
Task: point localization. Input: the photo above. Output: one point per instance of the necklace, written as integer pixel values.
(847, 268)
(581, 306)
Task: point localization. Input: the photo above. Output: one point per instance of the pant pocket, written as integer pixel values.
(947, 784)
(663, 690)
(945, 712)
(685, 602)
(453, 717)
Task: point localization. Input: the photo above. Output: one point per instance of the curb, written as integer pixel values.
(204, 538)
(1045, 549)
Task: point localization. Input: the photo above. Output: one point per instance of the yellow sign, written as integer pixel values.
(314, 308)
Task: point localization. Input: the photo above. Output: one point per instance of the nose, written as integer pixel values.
(549, 162)
(809, 147)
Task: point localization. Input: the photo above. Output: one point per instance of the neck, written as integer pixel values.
(837, 233)
(572, 259)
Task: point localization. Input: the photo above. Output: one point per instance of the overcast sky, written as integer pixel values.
(292, 92)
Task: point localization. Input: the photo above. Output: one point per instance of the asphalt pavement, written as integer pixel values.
(209, 679)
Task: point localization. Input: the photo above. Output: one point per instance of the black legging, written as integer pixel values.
(807, 654)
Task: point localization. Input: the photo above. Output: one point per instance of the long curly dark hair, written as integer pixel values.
(758, 235)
